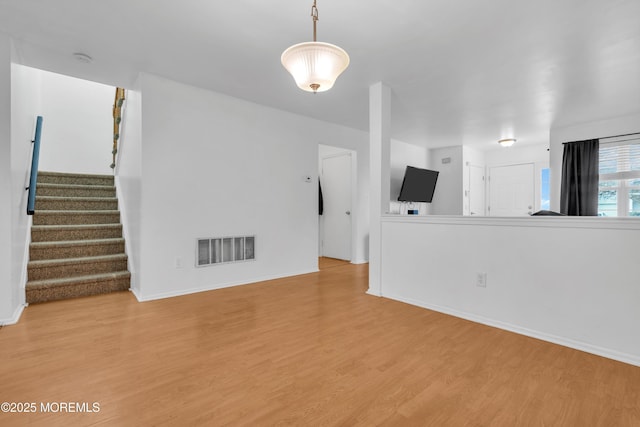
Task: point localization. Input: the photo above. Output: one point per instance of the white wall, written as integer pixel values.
(548, 278)
(448, 197)
(78, 131)
(8, 299)
(214, 166)
(401, 156)
(579, 132)
(128, 178)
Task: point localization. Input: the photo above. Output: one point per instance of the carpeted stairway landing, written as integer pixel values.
(77, 248)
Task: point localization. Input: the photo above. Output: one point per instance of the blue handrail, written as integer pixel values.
(31, 203)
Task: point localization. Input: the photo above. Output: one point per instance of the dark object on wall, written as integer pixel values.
(418, 185)
(320, 200)
(547, 213)
(580, 177)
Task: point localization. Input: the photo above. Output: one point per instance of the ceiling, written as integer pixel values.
(461, 72)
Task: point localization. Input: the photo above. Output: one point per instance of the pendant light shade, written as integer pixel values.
(315, 66)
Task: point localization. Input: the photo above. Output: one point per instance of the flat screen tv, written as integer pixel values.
(418, 185)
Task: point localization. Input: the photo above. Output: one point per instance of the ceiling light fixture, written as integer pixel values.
(507, 142)
(315, 66)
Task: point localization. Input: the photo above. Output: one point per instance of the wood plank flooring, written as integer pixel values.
(311, 350)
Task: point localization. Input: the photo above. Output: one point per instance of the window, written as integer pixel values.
(544, 189)
(619, 187)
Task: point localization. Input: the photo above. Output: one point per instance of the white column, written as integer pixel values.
(380, 151)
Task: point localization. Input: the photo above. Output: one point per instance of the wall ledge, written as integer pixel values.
(528, 221)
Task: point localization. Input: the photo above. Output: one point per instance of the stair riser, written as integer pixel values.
(88, 191)
(76, 251)
(56, 235)
(36, 295)
(64, 218)
(76, 205)
(74, 179)
(75, 269)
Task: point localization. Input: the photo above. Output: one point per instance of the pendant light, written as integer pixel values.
(315, 66)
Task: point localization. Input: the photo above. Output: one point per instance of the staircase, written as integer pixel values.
(77, 248)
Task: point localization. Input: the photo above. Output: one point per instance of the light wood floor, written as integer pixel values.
(311, 350)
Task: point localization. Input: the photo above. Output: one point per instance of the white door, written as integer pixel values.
(336, 193)
(476, 190)
(511, 190)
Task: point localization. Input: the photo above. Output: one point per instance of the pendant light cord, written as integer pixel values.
(314, 16)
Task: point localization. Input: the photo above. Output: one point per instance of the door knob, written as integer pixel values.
(348, 212)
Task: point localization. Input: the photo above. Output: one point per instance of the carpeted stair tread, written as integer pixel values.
(75, 186)
(73, 267)
(74, 178)
(80, 198)
(69, 217)
(48, 283)
(70, 204)
(64, 243)
(79, 260)
(75, 190)
(75, 232)
(80, 286)
(75, 248)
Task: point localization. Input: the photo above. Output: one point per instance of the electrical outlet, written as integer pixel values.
(481, 280)
(179, 262)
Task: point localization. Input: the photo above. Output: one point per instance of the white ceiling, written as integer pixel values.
(461, 72)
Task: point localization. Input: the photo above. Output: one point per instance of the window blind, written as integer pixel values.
(620, 160)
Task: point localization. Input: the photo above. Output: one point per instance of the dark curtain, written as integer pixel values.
(320, 199)
(579, 190)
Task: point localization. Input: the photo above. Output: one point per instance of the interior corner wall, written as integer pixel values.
(578, 132)
(216, 166)
(8, 295)
(128, 177)
(77, 132)
(401, 156)
(448, 197)
(25, 107)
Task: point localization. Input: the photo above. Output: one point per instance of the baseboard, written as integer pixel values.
(143, 298)
(563, 341)
(377, 294)
(360, 261)
(16, 316)
(122, 207)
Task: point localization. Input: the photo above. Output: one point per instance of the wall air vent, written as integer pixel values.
(223, 250)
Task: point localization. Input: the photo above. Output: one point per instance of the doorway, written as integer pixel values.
(335, 223)
(476, 190)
